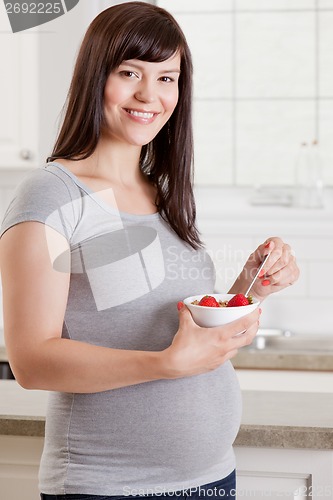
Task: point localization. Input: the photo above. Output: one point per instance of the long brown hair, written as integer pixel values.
(136, 30)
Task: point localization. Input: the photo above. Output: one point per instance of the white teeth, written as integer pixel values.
(141, 115)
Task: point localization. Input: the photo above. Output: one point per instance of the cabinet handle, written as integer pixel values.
(25, 154)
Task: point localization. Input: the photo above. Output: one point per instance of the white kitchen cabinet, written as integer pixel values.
(297, 381)
(260, 485)
(284, 473)
(19, 464)
(19, 92)
(36, 69)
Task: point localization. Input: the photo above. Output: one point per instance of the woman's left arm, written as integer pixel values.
(280, 269)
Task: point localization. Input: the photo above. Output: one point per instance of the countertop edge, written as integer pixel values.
(290, 437)
(283, 360)
(22, 426)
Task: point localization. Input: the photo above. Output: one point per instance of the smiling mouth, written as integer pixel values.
(140, 114)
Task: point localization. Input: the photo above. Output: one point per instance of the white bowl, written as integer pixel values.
(216, 316)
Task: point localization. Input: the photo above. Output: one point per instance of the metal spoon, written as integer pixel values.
(257, 273)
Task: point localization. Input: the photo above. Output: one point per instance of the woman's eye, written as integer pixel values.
(128, 74)
(166, 79)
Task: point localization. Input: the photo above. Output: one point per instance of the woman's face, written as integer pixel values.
(139, 98)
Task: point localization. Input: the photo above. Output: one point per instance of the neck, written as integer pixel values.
(118, 162)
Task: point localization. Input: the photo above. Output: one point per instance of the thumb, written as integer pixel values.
(184, 313)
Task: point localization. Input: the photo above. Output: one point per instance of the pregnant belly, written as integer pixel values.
(190, 422)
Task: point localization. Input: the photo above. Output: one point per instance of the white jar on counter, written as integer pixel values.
(309, 185)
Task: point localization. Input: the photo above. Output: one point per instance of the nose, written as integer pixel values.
(145, 92)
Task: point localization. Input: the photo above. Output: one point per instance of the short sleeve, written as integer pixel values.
(43, 197)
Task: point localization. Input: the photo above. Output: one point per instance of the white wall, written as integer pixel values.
(263, 84)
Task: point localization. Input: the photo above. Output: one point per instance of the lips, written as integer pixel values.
(141, 116)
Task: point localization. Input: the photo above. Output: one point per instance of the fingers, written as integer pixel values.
(285, 276)
(281, 268)
(233, 336)
(246, 338)
(229, 347)
(239, 332)
(279, 258)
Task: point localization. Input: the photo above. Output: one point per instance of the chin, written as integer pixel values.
(141, 141)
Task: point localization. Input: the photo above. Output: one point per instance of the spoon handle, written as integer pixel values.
(257, 273)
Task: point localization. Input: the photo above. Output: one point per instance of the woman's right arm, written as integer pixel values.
(34, 299)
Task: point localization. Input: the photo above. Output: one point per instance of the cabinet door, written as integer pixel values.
(18, 96)
(274, 486)
(284, 473)
(19, 464)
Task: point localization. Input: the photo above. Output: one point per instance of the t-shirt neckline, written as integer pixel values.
(97, 199)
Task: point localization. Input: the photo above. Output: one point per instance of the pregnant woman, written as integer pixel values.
(97, 248)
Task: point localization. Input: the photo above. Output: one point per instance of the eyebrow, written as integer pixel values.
(138, 66)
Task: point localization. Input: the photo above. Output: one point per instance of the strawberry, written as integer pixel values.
(208, 301)
(238, 300)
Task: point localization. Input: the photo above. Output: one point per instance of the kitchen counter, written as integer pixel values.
(287, 420)
(270, 359)
(22, 412)
(270, 419)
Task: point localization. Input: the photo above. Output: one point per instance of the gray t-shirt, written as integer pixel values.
(127, 274)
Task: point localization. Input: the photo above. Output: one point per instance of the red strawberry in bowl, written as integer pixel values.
(209, 301)
(239, 300)
(218, 313)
